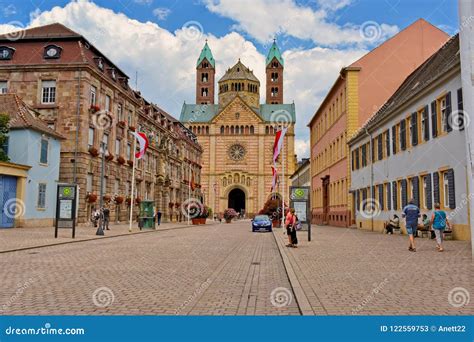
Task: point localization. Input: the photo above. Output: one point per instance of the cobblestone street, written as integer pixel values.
(224, 269)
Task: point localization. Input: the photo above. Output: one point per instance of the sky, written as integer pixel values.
(160, 40)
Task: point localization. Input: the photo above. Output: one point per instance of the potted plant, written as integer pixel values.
(118, 199)
(229, 214)
(94, 109)
(272, 208)
(137, 201)
(93, 151)
(128, 200)
(107, 198)
(132, 128)
(109, 157)
(121, 160)
(121, 123)
(91, 197)
(130, 162)
(205, 213)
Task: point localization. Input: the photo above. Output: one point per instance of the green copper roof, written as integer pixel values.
(191, 113)
(274, 53)
(206, 54)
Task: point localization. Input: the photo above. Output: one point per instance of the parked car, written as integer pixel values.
(261, 223)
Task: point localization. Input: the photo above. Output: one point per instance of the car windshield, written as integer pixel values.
(262, 218)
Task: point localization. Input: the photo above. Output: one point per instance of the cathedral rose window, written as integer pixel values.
(236, 152)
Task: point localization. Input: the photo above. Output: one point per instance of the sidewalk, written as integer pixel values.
(353, 272)
(24, 238)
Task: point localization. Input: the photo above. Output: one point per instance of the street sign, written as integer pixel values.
(300, 201)
(66, 200)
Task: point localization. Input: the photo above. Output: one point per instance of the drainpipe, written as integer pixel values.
(78, 113)
(371, 174)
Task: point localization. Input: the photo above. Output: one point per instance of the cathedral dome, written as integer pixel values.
(239, 80)
(239, 72)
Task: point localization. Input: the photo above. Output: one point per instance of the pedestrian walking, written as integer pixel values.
(95, 216)
(158, 217)
(439, 222)
(290, 223)
(411, 213)
(106, 218)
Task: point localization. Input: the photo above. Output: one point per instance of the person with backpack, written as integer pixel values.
(290, 224)
(411, 213)
(439, 222)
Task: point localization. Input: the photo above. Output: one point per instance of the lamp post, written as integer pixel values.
(215, 199)
(100, 229)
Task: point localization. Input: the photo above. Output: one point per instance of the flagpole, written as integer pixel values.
(132, 199)
(283, 182)
(189, 190)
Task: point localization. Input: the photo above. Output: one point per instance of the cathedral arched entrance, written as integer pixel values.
(236, 200)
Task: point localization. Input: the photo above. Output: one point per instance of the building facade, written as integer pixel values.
(414, 148)
(33, 144)
(237, 134)
(84, 96)
(360, 89)
(302, 175)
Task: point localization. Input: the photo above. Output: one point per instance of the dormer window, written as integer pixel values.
(100, 63)
(52, 52)
(6, 52)
(113, 73)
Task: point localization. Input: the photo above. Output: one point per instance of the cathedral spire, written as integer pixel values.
(205, 74)
(274, 52)
(274, 69)
(206, 53)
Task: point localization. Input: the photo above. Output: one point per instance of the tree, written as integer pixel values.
(4, 129)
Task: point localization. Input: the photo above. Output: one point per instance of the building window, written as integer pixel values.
(116, 186)
(44, 151)
(41, 203)
(6, 52)
(48, 94)
(3, 87)
(52, 52)
(425, 125)
(117, 147)
(129, 149)
(105, 141)
(89, 182)
(91, 137)
(93, 96)
(120, 112)
(130, 116)
(107, 103)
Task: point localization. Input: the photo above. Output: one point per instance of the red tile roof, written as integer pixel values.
(22, 116)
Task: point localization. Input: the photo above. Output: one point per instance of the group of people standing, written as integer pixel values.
(438, 223)
(98, 214)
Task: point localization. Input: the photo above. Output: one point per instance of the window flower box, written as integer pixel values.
(121, 160)
(91, 197)
(93, 151)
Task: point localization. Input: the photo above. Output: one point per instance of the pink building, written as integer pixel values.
(359, 91)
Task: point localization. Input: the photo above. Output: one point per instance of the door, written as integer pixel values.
(7, 201)
(325, 199)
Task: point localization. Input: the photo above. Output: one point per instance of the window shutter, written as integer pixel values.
(434, 120)
(379, 148)
(356, 204)
(394, 139)
(381, 196)
(404, 193)
(429, 199)
(460, 110)
(373, 151)
(357, 160)
(414, 124)
(436, 187)
(394, 195)
(387, 142)
(416, 190)
(403, 135)
(373, 192)
(449, 127)
(389, 196)
(353, 159)
(427, 123)
(452, 194)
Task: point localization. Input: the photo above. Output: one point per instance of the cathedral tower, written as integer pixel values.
(274, 71)
(205, 76)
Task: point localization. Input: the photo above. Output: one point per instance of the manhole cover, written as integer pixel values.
(33, 252)
(255, 263)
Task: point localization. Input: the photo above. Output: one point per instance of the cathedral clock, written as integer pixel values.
(236, 152)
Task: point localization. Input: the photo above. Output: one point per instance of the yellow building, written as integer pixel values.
(237, 133)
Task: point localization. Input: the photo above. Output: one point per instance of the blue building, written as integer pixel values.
(28, 182)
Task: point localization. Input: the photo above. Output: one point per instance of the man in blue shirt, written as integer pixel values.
(411, 213)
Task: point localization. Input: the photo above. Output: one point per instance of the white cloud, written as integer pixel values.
(8, 10)
(264, 19)
(161, 13)
(166, 61)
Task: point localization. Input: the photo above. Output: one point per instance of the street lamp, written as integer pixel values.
(103, 152)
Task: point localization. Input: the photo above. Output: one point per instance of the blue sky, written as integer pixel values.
(151, 37)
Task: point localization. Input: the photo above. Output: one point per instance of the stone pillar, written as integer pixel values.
(166, 208)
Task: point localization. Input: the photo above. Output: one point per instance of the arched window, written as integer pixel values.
(224, 181)
(222, 129)
(232, 87)
(226, 129)
(246, 129)
(231, 129)
(236, 178)
(207, 130)
(248, 181)
(267, 130)
(251, 130)
(199, 130)
(236, 129)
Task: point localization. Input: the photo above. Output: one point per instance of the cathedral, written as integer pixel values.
(237, 133)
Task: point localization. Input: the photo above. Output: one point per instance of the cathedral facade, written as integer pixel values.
(237, 133)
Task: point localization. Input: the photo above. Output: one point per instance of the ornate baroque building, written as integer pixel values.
(237, 133)
(84, 96)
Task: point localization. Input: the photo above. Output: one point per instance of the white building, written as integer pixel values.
(414, 147)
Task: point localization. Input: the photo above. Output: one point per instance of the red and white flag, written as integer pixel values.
(279, 137)
(143, 142)
(274, 179)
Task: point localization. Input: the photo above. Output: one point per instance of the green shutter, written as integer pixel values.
(449, 127)
(434, 120)
(452, 193)
(427, 123)
(394, 195)
(404, 193)
(436, 187)
(416, 190)
(428, 196)
(414, 125)
(389, 196)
